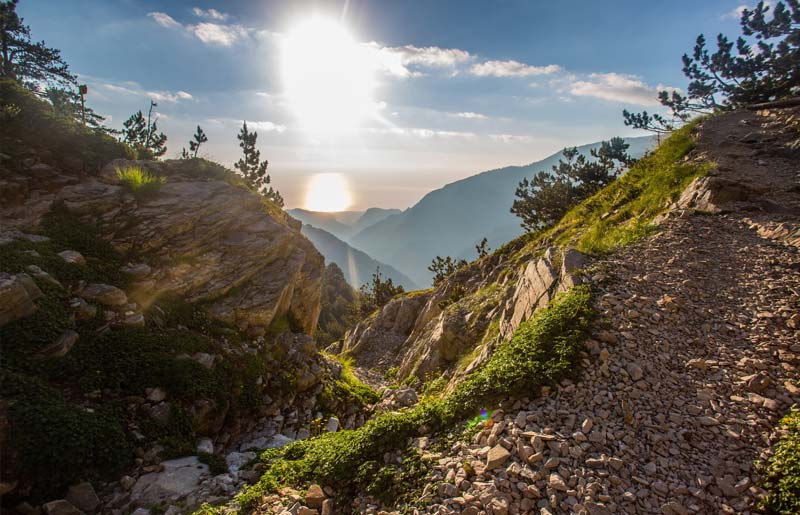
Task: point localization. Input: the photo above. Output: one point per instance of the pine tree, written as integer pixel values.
(67, 103)
(142, 133)
(31, 64)
(199, 138)
(760, 66)
(250, 165)
(442, 267)
(377, 293)
(547, 196)
(482, 248)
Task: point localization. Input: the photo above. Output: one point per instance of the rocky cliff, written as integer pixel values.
(201, 237)
(451, 330)
(153, 342)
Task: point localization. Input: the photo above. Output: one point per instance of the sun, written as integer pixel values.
(327, 75)
(327, 192)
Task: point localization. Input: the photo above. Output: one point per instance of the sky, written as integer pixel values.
(383, 100)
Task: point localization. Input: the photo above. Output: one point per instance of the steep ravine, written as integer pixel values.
(152, 343)
(691, 362)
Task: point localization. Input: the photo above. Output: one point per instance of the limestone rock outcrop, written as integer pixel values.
(201, 237)
(445, 329)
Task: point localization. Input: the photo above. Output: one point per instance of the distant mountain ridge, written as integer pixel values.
(450, 220)
(342, 224)
(356, 265)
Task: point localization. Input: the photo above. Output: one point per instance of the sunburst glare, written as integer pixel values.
(327, 75)
(328, 192)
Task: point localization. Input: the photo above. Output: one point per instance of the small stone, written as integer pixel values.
(635, 371)
(757, 383)
(62, 345)
(133, 320)
(303, 510)
(105, 294)
(82, 309)
(697, 363)
(315, 496)
(333, 425)
(60, 507)
(556, 482)
(497, 456)
(155, 394)
(205, 445)
(72, 257)
(138, 271)
(127, 482)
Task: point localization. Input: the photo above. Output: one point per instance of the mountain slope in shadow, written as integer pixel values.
(356, 265)
(451, 220)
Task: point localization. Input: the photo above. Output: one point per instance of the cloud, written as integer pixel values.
(166, 96)
(266, 126)
(165, 20)
(472, 116)
(134, 89)
(616, 87)
(510, 138)
(736, 13)
(211, 14)
(511, 69)
(210, 33)
(218, 34)
(407, 61)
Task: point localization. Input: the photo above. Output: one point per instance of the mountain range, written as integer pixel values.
(356, 265)
(449, 221)
(342, 224)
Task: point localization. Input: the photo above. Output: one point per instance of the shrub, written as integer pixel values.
(623, 211)
(57, 442)
(31, 126)
(139, 182)
(782, 471)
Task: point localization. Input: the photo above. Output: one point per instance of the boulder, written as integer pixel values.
(62, 345)
(83, 497)
(17, 295)
(73, 257)
(178, 479)
(105, 294)
(60, 507)
(82, 309)
(315, 496)
(205, 445)
(333, 425)
(208, 241)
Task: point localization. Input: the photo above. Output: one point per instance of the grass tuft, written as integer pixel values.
(139, 182)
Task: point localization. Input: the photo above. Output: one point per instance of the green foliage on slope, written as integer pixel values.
(30, 126)
(543, 351)
(782, 471)
(72, 417)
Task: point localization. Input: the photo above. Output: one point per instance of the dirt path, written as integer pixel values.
(697, 363)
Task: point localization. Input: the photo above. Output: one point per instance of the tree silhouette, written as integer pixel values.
(547, 196)
(142, 133)
(444, 266)
(760, 66)
(198, 139)
(33, 64)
